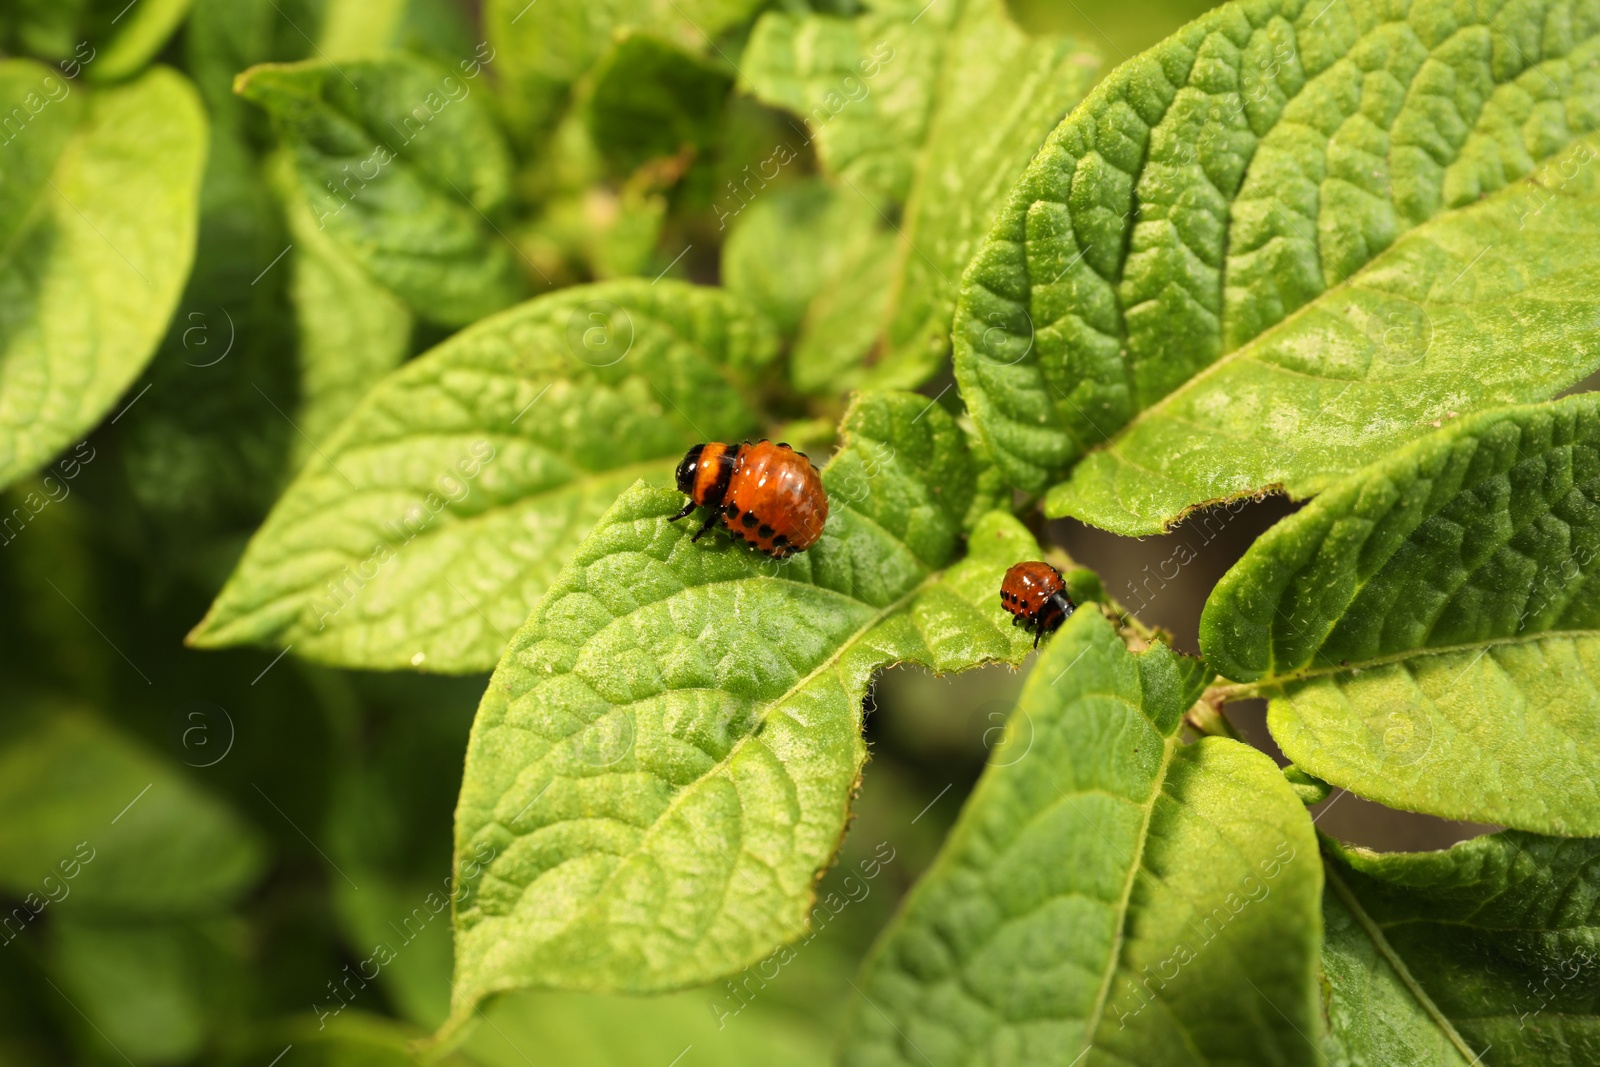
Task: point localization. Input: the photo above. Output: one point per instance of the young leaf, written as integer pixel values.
(1425, 628)
(1238, 178)
(663, 763)
(426, 527)
(929, 107)
(1439, 957)
(107, 828)
(1109, 895)
(98, 202)
(404, 168)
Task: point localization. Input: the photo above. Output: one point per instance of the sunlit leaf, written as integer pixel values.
(663, 764)
(1230, 195)
(98, 207)
(1109, 895)
(422, 532)
(1484, 952)
(403, 166)
(1426, 629)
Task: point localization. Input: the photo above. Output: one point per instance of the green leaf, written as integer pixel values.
(787, 247)
(142, 34)
(663, 763)
(1489, 305)
(405, 169)
(371, 29)
(542, 49)
(98, 202)
(352, 330)
(932, 108)
(1441, 957)
(98, 826)
(110, 39)
(650, 99)
(223, 37)
(1425, 629)
(1109, 895)
(1232, 193)
(425, 528)
(594, 1030)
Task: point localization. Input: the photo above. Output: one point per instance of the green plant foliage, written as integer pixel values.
(581, 1030)
(926, 109)
(818, 261)
(145, 984)
(371, 29)
(205, 448)
(1484, 306)
(352, 330)
(350, 1040)
(1244, 172)
(381, 328)
(1386, 617)
(651, 98)
(543, 48)
(1486, 949)
(110, 38)
(708, 702)
(98, 199)
(424, 528)
(404, 168)
(1109, 895)
(1120, 30)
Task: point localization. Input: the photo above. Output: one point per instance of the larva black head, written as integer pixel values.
(688, 470)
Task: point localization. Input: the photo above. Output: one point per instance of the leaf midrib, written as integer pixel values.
(422, 374)
(1135, 865)
(1392, 958)
(304, 591)
(1252, 690)
(1352, 283)
(602, 894)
